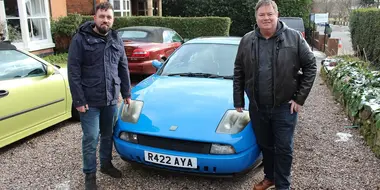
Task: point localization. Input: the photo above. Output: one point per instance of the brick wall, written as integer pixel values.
(85, 7)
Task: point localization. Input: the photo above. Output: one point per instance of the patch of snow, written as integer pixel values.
(330, 67)
(63, 186)
(343, 137)
(373, 104)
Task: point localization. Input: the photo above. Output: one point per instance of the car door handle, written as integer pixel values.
(3, 93)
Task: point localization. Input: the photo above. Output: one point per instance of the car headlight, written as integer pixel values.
(233, 122)
(129, 137)
(131, 113)
(222, 149)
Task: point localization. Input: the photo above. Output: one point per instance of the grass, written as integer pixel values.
(57, 59)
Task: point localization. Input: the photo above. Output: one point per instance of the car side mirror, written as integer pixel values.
(50, 70)
(157, 64)
(185, 40)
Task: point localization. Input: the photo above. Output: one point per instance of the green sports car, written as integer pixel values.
(34, 94)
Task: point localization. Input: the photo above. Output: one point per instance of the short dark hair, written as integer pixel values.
(103, 6)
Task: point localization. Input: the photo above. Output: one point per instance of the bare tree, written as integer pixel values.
(344, 8)
(324, 6)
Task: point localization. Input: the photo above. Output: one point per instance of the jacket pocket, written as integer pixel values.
(91, 89)
(248, 86)
(115, 53)
(117, 87)
(90, 55)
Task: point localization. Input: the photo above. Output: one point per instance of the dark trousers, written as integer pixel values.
(274, 130)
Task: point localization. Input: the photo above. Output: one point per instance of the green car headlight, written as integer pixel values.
(233, 122)
(131, 113)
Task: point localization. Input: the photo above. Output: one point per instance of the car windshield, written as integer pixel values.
(296, 24)
(197, 60)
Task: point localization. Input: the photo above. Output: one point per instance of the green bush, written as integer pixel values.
(187, 27)
(364, 28)
(241, 12)
(357, 88)
(57, 58)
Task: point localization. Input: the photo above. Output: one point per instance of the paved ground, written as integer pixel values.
(52, 159)
(343, 33)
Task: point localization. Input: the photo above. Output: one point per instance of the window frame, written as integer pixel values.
(124, 11)
(26, 43)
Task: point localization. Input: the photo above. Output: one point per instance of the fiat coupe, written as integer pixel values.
(182, 117)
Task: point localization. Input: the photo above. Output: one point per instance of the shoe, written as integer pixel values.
(265, 184)
(90, 181)
(109, 169)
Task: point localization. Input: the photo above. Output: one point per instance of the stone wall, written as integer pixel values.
(358, 90)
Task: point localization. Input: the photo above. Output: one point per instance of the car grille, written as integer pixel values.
(174, 144)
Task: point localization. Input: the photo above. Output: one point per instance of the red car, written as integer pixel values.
(143, 44)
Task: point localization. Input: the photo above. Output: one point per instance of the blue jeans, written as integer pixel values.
(274, 131)
(94, 121)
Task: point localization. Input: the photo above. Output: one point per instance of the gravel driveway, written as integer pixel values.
(322, 160)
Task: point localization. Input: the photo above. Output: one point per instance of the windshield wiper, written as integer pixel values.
(220, 76)
(206, 75)
(191, 74)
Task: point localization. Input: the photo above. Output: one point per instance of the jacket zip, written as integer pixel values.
(256, 70)
(274, 64)
(105, 71)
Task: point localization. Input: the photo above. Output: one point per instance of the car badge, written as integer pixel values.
(173, 128)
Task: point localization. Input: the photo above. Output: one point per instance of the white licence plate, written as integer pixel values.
(169, 160)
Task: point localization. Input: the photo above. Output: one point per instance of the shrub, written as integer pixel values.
(364, 28)
(187, 27)
(358, 89)
(241, 12)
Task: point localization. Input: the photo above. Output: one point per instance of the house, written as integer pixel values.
(27, 22)
(121, 7)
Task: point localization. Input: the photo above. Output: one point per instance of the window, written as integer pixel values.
(171, 36)
(26, 23)
(202, 58)
(15, 65)
(121, 7)
(176, 37)
(37, 19)
(133, 34)
(142, 9)
(12, 24)
(167, 36)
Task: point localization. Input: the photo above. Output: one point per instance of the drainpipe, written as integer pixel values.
(94, 6)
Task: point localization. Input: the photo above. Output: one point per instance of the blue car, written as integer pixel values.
(182, 117)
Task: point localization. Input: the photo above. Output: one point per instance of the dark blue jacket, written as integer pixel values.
(97, 68)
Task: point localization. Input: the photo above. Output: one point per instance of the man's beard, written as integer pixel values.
(102, 30)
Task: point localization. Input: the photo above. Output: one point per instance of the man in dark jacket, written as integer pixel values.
(267, 69)
(98, 72)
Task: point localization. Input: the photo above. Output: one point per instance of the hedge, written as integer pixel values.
(187, 27)
(364, 28)
(241, 12)
(357, 88)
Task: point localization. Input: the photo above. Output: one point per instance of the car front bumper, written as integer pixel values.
(207, 164)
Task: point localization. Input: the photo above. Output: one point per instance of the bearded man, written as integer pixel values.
(98, 73)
